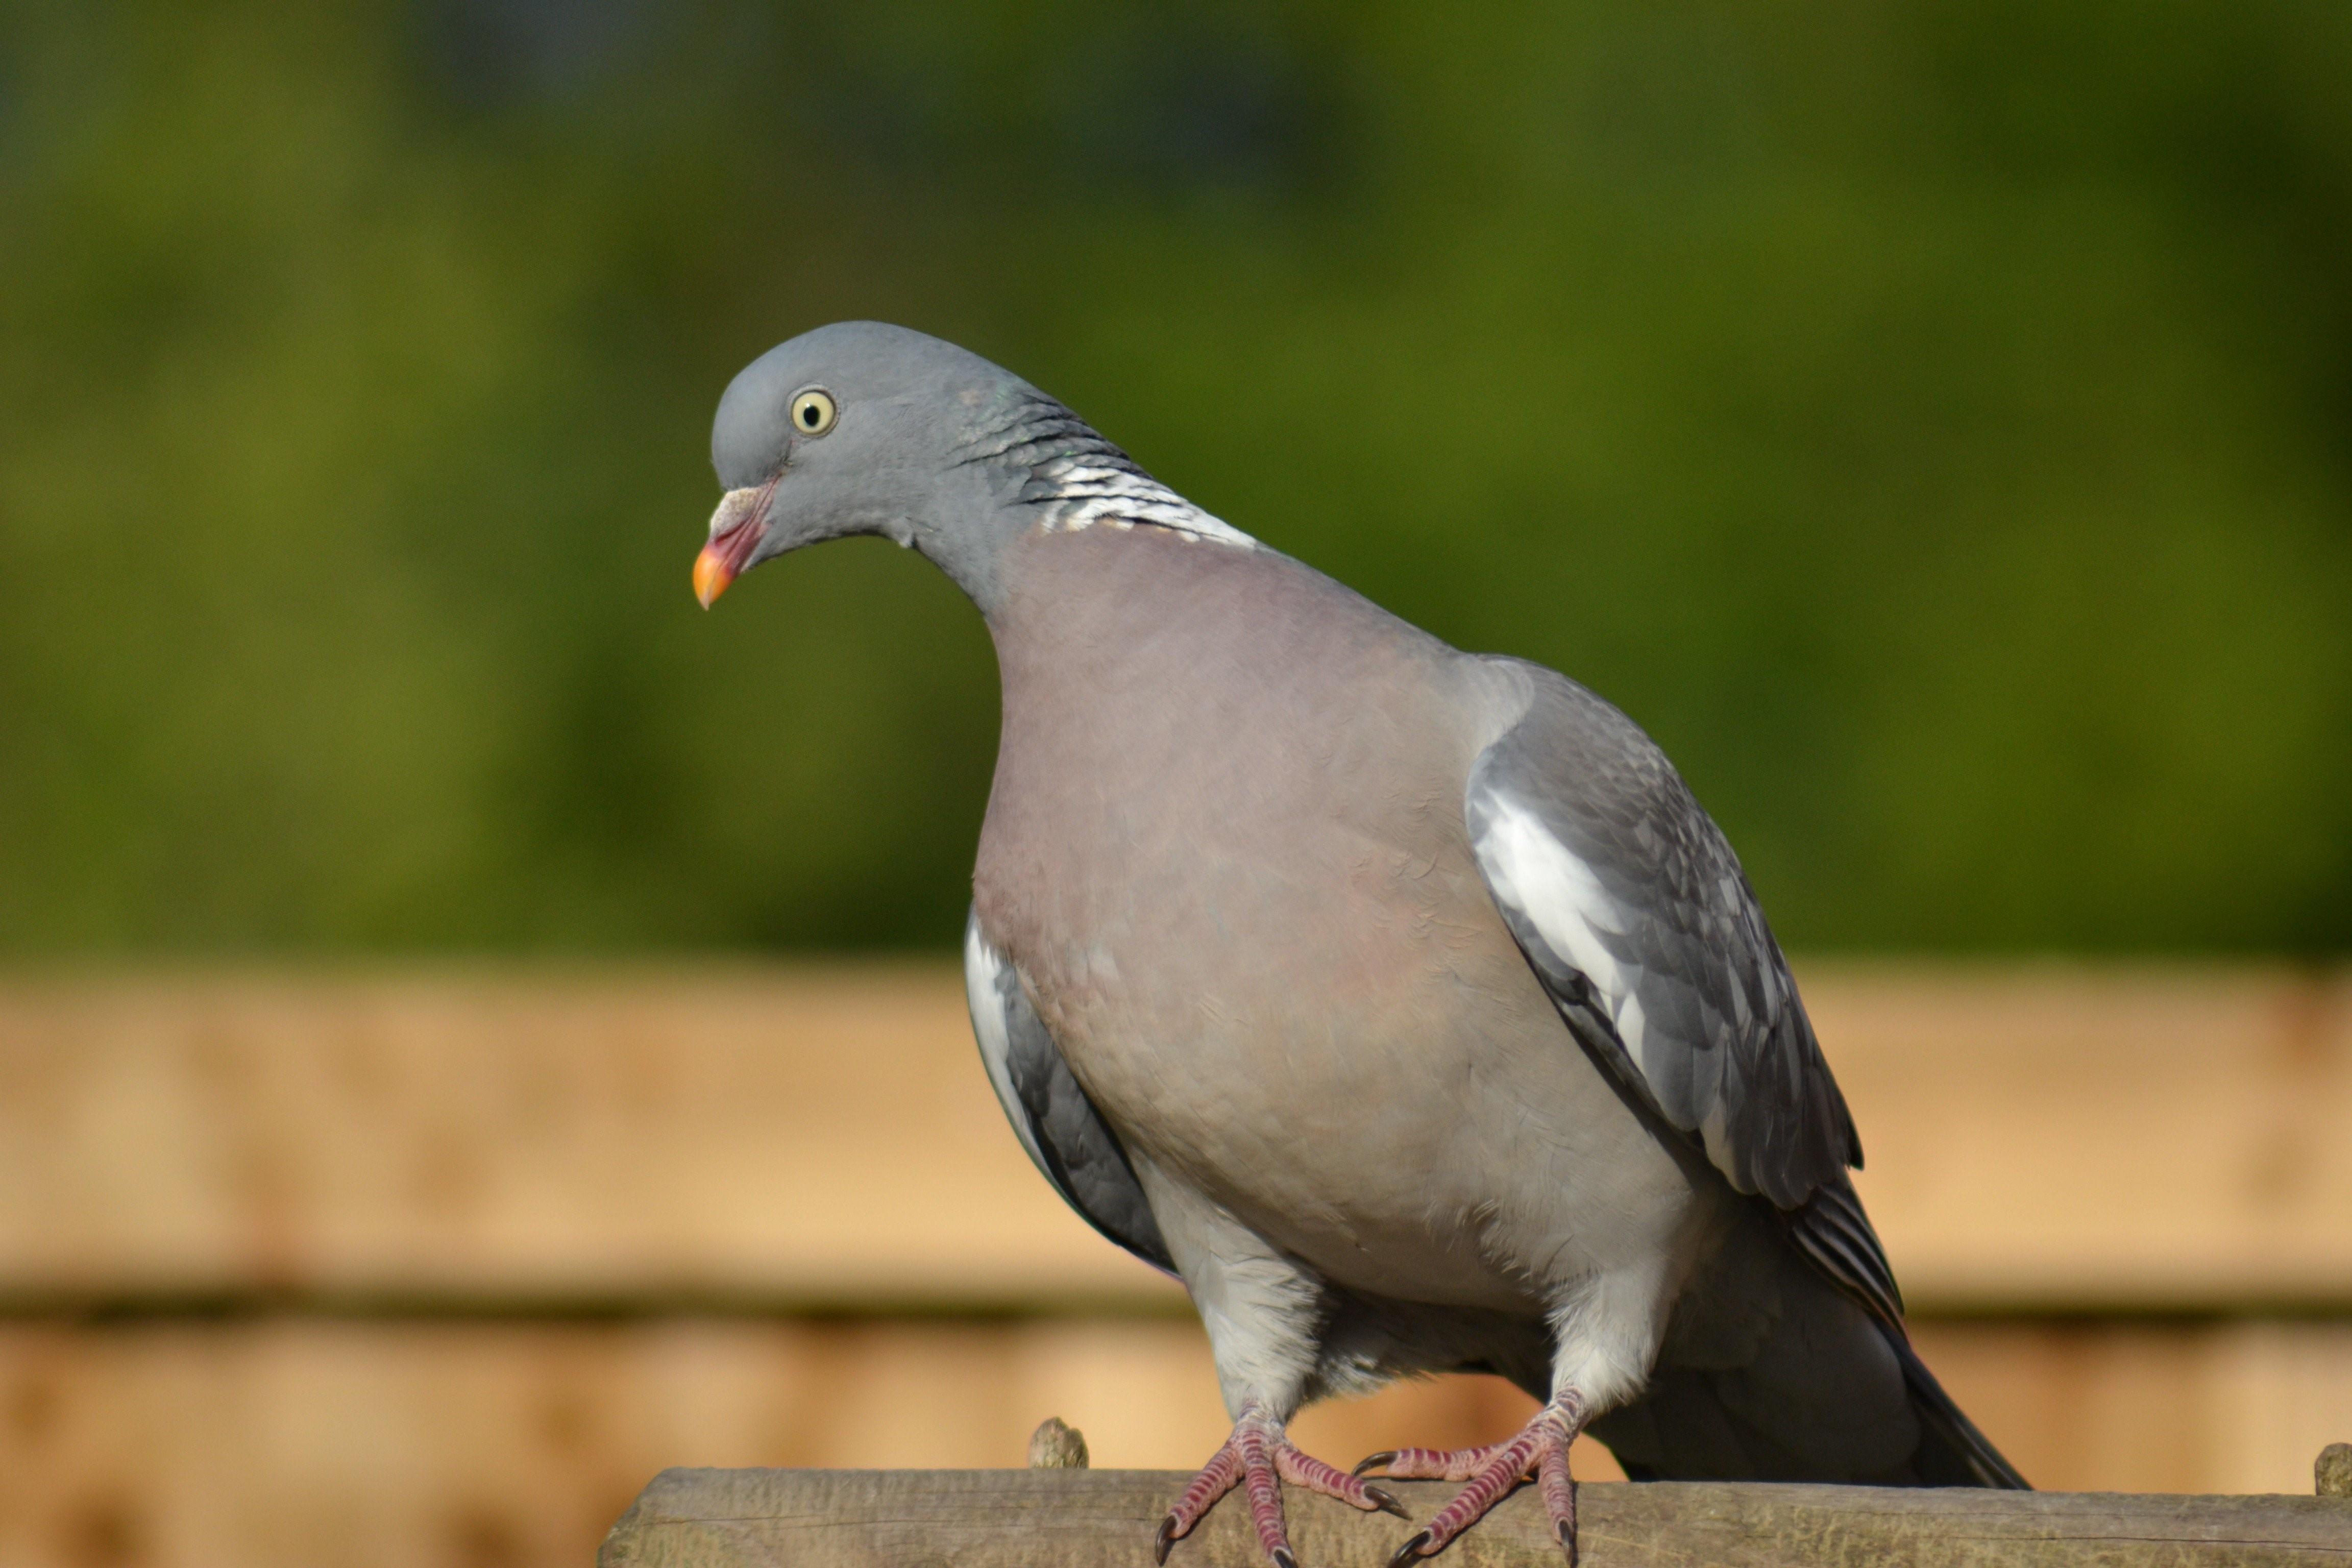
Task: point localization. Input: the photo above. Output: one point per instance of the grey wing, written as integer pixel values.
(1056, 1124)
(1634, 912)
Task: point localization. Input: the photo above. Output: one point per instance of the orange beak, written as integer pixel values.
(712, 575)
(736, 529)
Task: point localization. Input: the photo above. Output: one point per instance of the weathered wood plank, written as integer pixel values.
(2039, 1139)
(1044, 1519)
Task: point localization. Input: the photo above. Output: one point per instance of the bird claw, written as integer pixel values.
(1374, 1461)
(1492, 1473)
(1259, 1460)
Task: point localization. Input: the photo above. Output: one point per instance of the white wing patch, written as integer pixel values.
(1088, 493)
(984, 970)
(1543, 881)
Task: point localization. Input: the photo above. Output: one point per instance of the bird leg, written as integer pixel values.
(1258, 1458)
(1540, 1449)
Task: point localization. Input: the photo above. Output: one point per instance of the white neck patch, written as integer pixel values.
(1085, 492)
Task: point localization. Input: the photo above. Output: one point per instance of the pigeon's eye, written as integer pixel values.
(813, 413)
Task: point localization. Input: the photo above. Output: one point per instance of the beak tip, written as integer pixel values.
(710, 577)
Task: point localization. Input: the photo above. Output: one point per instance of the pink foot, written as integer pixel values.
(1540, 1449)
(1257, 1457)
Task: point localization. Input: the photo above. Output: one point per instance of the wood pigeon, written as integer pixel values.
(1400, 1001)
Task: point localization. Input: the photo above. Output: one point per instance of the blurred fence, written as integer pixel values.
(395, 1271)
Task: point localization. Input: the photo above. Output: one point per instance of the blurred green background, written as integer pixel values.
(1933, 422)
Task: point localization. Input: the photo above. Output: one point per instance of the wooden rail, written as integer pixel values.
(1061, 1518)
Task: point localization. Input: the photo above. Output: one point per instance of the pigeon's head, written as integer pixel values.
(860, 428)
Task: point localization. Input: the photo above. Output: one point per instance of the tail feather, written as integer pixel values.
(1952, 1452)
(1778, 1368)
(1835, 1238)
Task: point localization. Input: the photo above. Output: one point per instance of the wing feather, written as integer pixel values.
(1065, 1135)
(1634, 912)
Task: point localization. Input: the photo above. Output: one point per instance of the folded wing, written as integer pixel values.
(1050, 1112)
(1634, 913)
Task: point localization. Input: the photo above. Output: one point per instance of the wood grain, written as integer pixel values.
(1044, 1519)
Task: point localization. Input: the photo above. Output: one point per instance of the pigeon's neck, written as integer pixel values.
(1045, 471)
(1077, 491)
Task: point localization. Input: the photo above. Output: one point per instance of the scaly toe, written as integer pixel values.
(1433, 1464)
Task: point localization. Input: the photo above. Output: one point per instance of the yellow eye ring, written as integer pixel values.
(812, 412)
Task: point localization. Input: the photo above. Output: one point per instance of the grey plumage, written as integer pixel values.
(1674, 942)
(1063, 1133)
(1404, 1000)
